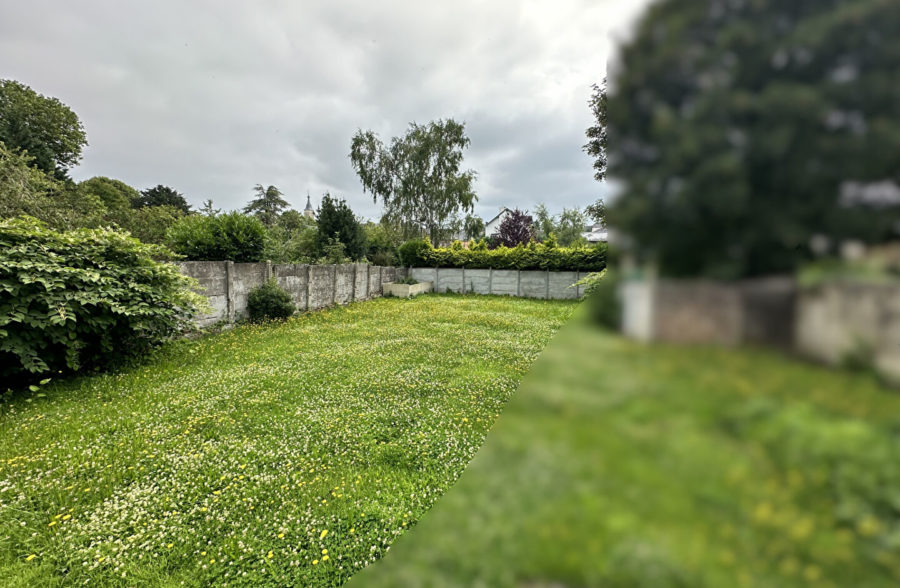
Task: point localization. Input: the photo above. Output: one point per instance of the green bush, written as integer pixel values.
(232, 237)
(534, 256)
(602, 298)
(84, 298)
(269, 301)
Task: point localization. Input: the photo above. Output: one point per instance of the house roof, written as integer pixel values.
(499, 214)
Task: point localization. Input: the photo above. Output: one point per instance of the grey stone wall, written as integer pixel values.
(226, 285)
(840, 319)
(527, 284)
(759, 311)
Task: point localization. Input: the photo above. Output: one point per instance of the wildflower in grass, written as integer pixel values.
(30, 557)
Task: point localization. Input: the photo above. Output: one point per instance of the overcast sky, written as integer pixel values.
(212, 98)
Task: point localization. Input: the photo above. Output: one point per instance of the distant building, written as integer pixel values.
(493, 225)
(308, 212)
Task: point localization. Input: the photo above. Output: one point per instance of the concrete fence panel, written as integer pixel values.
(212, 278)
(478, 281)
(505, 282)
(449, 280)
(293, 278)
(247, 276)
(361, 282)
(533, 284)
(321, 286)
(562, 285)
(344, 281)
(424, 274)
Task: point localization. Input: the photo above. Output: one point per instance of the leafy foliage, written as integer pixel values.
(516, 228)
(337, 222)
(25, 190)
(269, 301)
(601, 293)
(268, 204)
(73, 300)
(114, 194)
(597, 133)
(381, 243)
(742, 130)
(534, 256)
(232, 236)
(160, 195)
(418, 178)
(149, 224)
(43, 127)
(473, 226)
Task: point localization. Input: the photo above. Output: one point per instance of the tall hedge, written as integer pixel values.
(232, 236)
(84, 298)
(534, 256)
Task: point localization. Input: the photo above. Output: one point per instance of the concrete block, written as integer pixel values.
(293, 278)
(361, 282)
(246, 277)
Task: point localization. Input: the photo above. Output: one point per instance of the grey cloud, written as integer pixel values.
(214, 97)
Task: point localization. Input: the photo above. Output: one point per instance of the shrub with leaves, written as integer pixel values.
(534, 256)
(226, 237)
(269, 301)
(84, 298)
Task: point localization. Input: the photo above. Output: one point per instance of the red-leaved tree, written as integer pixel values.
(517, 227)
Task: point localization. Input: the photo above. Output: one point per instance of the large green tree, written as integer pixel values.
(597, 132)
(115, 194)
(739, 130)
(418, 177)
(267, 204)
(337, 223)
(160, 195)
(43, 126)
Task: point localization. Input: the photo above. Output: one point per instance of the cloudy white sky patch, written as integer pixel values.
(214, 97)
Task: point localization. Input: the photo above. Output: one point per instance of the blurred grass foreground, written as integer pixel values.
(621, 464)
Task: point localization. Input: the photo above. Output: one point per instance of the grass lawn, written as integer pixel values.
(289, 454)
(618, 464)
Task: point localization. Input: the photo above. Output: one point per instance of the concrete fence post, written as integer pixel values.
(308, 285)
(229, 291)
(490, 280)
(333, 283)
(368, 277)
(518, 282)
(437, 279)
(464, 280)
(268, 270)
(547, 296)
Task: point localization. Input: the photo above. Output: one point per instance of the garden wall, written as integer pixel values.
(527, 284)
(226, 284)
(843, 320)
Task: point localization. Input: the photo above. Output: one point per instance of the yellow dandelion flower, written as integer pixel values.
(66, 517)
(30, 557)
(51, 523)
(324, 532)
(324, 558)
(324, 552)
(271, 555)
(315, 562)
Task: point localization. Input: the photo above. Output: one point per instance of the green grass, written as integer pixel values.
(618, 464)
(281, 454)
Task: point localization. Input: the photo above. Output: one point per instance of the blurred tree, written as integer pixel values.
(597, 212)
(163, 196)
(570, 227)
(44, 127)
(473, 226)
(267, 205)
(516, 228)
(545, 223)
(417, 178)
(337, 223)
(739, 130)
